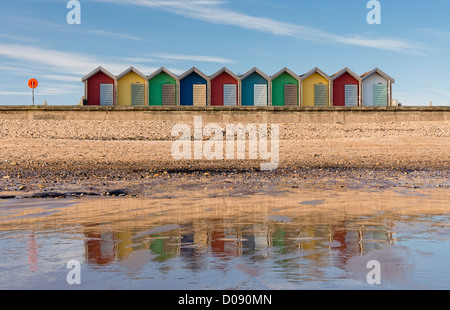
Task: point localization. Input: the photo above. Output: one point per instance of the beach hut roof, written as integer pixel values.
(129, 70)
(345, 70)
(224, 69)
(318, 71)
(285, 70)
(94, 72)
(380, 72)
(161, 70)
(255, 70)
(194, 69)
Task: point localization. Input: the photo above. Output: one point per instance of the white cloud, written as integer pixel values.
(211, 12)
(46, 90)
(436, 33)
(438, 97)
(66, 63)
(198, 58)
(58, 77)
(7, 93)
(116, 35)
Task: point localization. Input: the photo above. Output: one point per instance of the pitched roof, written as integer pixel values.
(285, 70)
(97, 70)
(129, 70)
(255, 70)
(161, 70)
(192, 70)
(377, 70)
(345, 70)
(224, 69)
(318, 71)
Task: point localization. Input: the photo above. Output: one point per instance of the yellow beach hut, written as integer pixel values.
(131, 86)
(316, 89)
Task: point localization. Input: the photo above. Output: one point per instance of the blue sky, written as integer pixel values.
(412, 43)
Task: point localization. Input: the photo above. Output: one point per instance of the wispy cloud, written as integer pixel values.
(213, 12)
(17, 38)
(438, 97)
(16, 93)
(59, 77)
(436, 33)
(69, 63)
(116, 35)
(47, 90)
(198, 58)
(52, 59)
(63, 66)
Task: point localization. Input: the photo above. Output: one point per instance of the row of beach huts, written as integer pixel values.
(224, 88)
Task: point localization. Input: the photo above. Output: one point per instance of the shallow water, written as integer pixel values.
(300, 240)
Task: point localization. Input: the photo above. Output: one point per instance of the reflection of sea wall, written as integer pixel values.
(307, 208)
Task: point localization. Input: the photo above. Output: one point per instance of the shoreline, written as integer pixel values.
(125, 182)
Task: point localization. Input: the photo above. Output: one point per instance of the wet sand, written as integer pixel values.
(308, 239)
(51, 159)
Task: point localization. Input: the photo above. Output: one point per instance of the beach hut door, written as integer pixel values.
(379, 95)
(137, 94)
(199, 95)
(168, 94)
(260, 93)
(229, 95)
(351, 95)
(320, 95)
(290, 95)
(106, 94)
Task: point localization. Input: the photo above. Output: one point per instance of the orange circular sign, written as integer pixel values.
(33, 83)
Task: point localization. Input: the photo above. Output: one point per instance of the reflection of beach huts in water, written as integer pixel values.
(194, 88)
(316, 89)
(131, 86)
(224, 88)
(377, 88)
(163, 88)
(100, 248)
(100, 87)
(255, 88)
(285, 88)
(164, 248)
(346, 88)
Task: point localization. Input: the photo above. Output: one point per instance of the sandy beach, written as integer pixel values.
(109, 194)
(50, 158)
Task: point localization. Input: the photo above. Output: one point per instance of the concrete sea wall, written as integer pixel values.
(269, 115)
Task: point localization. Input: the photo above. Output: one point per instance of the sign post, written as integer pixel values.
(33, 83)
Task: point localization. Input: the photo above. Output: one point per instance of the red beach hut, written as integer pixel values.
(100, 87)
(346, 88)
(225, 88)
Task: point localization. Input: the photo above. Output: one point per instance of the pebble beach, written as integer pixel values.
(56, 159)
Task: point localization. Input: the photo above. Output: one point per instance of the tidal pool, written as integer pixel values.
(301, 240)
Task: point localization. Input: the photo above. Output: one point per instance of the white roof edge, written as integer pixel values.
(161, 70)
(97, 70)
(380, 72)
(285, 70)
(129, 70)
(316, 70)
(345, 70)
(225, 69)
(196, 70)
(255, 70)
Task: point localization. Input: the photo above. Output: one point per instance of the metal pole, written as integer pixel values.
(33, 96)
